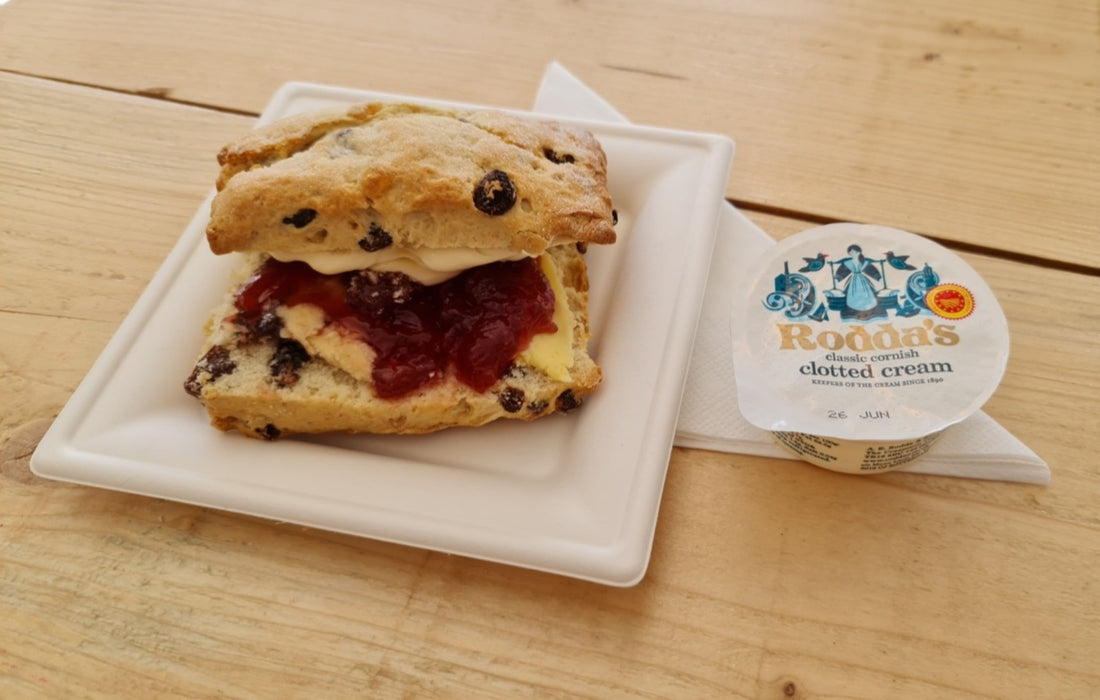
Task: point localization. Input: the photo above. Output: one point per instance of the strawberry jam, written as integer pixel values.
(475, 323)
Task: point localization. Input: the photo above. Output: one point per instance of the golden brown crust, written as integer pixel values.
(323, 182)
(250, 399)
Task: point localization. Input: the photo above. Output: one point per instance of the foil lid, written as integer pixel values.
(862, 332)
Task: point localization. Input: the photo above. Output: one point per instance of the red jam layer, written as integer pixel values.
(476, 322)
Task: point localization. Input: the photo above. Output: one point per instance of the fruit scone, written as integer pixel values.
(403, 270)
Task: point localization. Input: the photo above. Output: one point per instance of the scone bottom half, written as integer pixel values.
(264, 376)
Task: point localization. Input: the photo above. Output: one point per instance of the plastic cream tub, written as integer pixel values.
(858, 345)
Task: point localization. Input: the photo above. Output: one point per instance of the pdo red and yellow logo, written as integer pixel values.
(952, 301)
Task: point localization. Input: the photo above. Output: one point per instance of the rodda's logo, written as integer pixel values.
(881, 337)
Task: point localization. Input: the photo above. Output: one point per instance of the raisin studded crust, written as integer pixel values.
(375, 175)
(265, 387)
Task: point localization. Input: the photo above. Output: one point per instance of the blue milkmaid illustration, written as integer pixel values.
(855, 286)
(858, 275)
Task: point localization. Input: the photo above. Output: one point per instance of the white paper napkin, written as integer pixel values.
(978, 448)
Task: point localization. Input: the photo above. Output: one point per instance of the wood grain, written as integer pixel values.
(975, 121)
(905, 594)
(133, 169)
(769, 578)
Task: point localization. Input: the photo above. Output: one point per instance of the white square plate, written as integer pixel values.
(576, 494)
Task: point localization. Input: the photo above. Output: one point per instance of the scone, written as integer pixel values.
(403, 270)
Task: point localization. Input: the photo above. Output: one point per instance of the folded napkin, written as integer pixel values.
(977, 448)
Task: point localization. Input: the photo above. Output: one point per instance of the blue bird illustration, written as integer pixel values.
(814, 264)
(898, 261)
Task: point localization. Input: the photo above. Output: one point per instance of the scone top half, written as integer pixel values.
(396, 182)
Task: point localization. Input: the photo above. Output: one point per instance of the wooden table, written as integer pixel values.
(976, 123)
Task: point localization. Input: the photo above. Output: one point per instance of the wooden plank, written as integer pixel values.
(975, 121)
(981, 587)
(95, 209)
